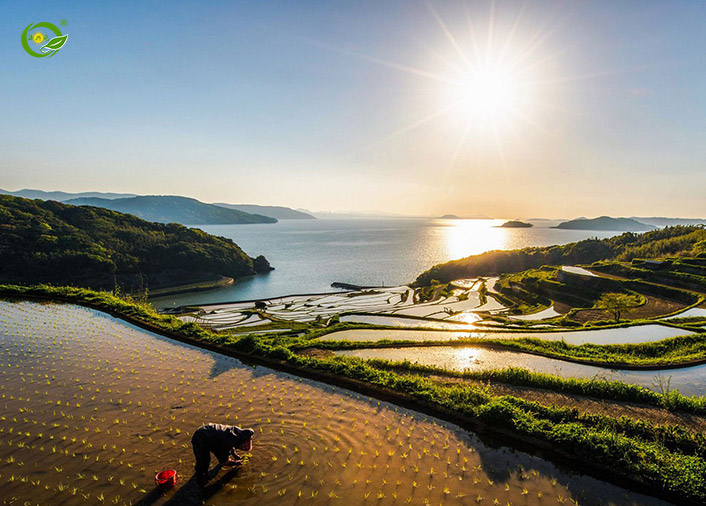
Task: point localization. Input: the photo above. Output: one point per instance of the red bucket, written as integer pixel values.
(166, 479)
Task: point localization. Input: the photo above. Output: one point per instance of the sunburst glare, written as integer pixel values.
(490, 75)
(490, 96)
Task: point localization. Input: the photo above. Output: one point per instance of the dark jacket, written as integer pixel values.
(220, 439)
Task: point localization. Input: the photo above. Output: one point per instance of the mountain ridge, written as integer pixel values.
(173, 209)
(61, 196)
(277, 212)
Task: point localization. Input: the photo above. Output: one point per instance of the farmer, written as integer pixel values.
(222, 441)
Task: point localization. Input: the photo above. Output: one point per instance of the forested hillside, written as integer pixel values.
(677, 241)
(46, 241)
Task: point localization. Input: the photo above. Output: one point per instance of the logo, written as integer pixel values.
(35, 36)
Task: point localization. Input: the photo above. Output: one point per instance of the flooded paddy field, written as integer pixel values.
(690, 313)
(625, 335)
(541, 315)
(92, 408)
(395, 303)
(688, 380)
(394, 321)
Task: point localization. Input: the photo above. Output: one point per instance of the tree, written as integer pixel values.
(615, 303)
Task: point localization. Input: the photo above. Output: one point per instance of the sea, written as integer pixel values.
(310, 255)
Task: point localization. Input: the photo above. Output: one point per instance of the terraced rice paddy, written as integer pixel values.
(93, 408)
(688, 380)
(577, 270)
(392, 302)
(541, 315)
(637, 334)
(394, 321)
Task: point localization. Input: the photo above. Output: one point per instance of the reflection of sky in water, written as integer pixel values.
(577, 270)
(689, 381)
(402, 322)
(466, 317)
(637, 334)
(690, 313)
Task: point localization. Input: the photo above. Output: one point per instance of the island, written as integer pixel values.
(449, 217)
(606, 223)
(516, 224)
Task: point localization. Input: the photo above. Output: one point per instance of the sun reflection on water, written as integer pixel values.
(471, 237)
(468, 356)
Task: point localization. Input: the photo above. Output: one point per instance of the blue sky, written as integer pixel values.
(322, 105)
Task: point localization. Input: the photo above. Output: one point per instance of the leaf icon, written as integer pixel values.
(56, 43)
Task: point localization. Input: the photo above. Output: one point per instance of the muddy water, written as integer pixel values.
(92, 408)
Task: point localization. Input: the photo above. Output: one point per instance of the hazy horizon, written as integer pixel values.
(506, 109)
(373, 213)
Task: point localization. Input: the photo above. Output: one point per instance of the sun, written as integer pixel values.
(38, 38)
(488, 94)
(488, 82)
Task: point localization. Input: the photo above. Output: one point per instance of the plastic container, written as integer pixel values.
(166, 478)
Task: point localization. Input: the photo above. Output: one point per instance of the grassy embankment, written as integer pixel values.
(667, 461)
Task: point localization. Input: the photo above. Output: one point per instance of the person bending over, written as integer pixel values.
(222, 441)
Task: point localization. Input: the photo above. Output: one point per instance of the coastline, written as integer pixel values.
(192, 287)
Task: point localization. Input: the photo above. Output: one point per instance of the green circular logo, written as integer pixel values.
(37, 34)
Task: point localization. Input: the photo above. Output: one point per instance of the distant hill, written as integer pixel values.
(516, 224)
(670, 222)
(606, 223)
(171, 209)
(64, 196)
(469, 217)
(278, 212)
(327, 215)
(50, 242)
